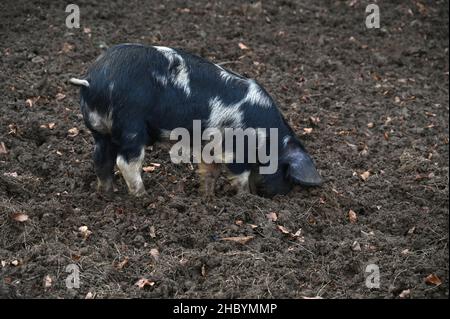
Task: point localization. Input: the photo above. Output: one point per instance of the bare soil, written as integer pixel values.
(376, 99)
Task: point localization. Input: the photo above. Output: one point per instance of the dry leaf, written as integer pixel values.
(356, 246)
(3, 263)
(364, 176)
(60, 96)
(67, 47)
(405, 251)
(411, 230)
(148, 169)
(3, 149)
(405, 293)
(240, 240)
(239, 222)
(314, 120)
(155, 253)
(152, 232)
(203, 270)
(253, 226)
(242, 46)
(352, 216)
(89, 295)
(370, 125)
(19, 217)
(432, 279)
(29, 102)
(73, 132)
(122, 264)
(48, 281)
(15, 262)
(283, 229)
(144, 282)
(307, 130)
(85, 232)
(272, 216)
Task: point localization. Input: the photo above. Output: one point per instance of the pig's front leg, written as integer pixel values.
(129, 161)
(239, 176)
(105, 153)
(208, 177)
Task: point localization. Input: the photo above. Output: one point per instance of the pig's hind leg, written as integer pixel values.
(105, 153)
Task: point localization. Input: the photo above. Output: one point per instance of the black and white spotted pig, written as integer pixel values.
(133, 94)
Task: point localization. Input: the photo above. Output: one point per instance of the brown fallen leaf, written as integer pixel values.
(365, 176)
(67, 47)
(148, 169)
(242, 46)
(73, 132)
(19, 217)
(203, 270)
(240, 240)
(152, 232)
(405, 251)
(122, 264)
(90, 295)
(84, 231)
(405, 293)
(29, 102)
(239, 222)
(283, 229)
(370, 125)
(314, 120)
(307, 130)
(432, 279)
(356, 246)
(15, 263)
(144, 282)
(48, 281)
(272, 216)
(352, 217)
(60, 96)
(3, 149)
(154, 253)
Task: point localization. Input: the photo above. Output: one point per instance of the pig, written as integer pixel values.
(134, 94)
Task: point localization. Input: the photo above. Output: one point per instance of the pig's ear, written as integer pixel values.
(301, 169)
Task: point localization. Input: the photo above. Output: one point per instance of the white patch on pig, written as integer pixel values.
(221, 114)
(181, 77)
(131, 172)
(100, 123)
(255, 95)
(161, 79)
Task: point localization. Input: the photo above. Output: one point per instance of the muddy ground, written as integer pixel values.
(376, 99)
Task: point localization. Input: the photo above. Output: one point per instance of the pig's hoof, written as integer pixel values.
(139, 193)
(105, 187)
